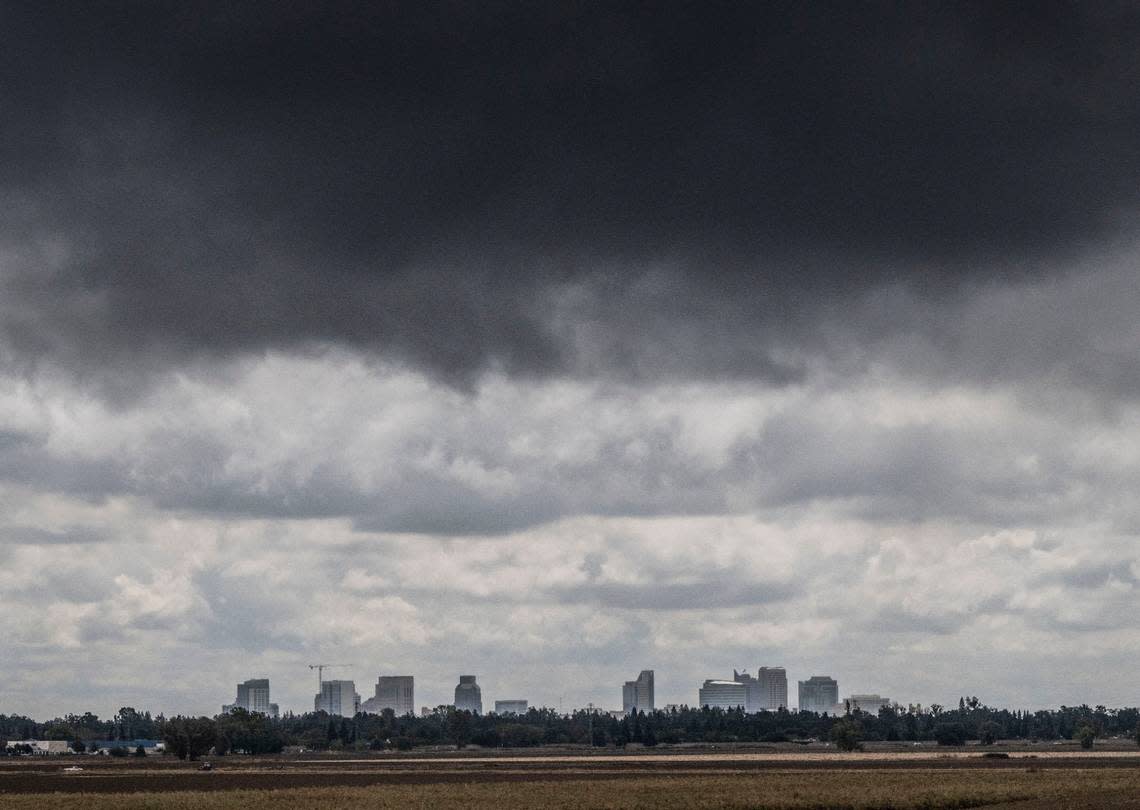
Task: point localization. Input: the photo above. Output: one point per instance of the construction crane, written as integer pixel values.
(320, 668)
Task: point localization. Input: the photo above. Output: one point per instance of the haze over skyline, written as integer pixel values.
(554, 344)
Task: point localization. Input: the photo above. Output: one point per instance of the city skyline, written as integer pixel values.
(552, 342)
(400, 688)
(770, 685)
(767, 691)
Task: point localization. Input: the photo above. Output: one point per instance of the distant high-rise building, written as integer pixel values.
(819, 694)
(338, 698)
(752, 702)
(253, 696)
(638, 695)
(722, 695)
(864, 703)
(395, 692)
(767, 692)
(468, 695)
(773, 688)
(510, 707)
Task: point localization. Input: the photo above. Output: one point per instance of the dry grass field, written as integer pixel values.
(703, 782)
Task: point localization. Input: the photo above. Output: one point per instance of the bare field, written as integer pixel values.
(733, 780)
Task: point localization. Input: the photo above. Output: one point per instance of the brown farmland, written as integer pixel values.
(678, 780)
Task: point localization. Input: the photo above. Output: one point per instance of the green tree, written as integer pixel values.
(58, 731)
(910, 723)
(846, 735)
(189, 737)
(459, 727)
(1085, 736)
(133, 725)
(988, 733)
(246, 732)
(950, 734)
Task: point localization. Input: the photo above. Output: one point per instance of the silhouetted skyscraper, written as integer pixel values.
(395, 692)
(638, 695)
(253, 696)
(819, 694)
(338, 697)
(773, 688)
(767, 692)
(468, 695)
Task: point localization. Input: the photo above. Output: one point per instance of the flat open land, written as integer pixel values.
(707, 779)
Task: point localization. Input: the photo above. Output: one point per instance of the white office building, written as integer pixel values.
(337, 698)
(819, 694)
(767, 692)
(638, 695)
(395, 692)
(722, 695)
(468, 695)
(773, 688)
(510, 707)
(253, 696)
(869, 704)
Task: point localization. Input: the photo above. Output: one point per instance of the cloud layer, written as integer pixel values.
(555, 536)
(558, 344)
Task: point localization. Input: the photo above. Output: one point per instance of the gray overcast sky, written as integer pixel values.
(552, 344)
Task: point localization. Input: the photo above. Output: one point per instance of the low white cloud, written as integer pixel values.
(555, 537)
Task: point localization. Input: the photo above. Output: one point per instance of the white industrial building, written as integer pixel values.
(42, 747)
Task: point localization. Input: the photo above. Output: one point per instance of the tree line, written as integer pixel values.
(251, 733)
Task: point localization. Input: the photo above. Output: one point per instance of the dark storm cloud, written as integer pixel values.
(194, 180)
